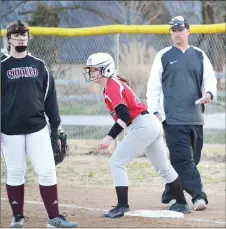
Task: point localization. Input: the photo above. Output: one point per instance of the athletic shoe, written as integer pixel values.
(61, 222)
(18, 221)
(183, 208)
(199, 205)
(117, 211)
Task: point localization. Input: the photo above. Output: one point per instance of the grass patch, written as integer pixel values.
(98, 108)
(93, 170)
(86, 132)
(216, 107)
(98, 132)
(141, 171)
(212, 172)
(214, 137)
(215, 152)
(83, 108)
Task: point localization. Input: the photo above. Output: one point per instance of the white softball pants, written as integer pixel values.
(39, 150)
(145, 134)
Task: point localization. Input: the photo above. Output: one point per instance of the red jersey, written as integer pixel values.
(117, 92)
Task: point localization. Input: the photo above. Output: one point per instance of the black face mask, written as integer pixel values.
(20, 48)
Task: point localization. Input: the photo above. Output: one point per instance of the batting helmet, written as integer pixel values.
(104, 61)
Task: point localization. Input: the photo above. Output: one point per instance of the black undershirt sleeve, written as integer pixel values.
(123, 113)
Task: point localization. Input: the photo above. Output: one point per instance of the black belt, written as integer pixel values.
(142, 113)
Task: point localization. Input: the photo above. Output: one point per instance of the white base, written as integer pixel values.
(48, 225)
(155, 214)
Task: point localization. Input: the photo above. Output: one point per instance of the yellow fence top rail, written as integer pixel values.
(121, 29)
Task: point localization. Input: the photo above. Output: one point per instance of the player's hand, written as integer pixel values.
(206, 99)
(105, 143)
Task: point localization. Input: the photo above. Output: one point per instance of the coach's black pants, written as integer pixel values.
(185, 143)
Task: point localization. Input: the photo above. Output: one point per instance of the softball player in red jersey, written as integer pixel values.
(27, 93)
(144, 133)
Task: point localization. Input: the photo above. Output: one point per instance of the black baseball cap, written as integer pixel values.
(17, 27)
(178, 23)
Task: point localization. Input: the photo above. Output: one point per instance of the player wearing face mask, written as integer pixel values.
(28, 93)
(18, 36)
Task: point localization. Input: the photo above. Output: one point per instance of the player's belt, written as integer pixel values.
(142, 113)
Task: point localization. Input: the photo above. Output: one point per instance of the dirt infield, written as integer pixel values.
(86, 190)
(87, 204)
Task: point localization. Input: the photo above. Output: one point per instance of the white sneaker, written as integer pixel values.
(17, 221)
(173, 201)
(61, 222)
(200, 205)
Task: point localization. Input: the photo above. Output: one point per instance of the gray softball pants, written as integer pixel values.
(144, 134)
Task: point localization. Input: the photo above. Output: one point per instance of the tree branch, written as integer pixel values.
(94, 11)
(82, 7)
(26, 12)
(155, 16)
(13, 8)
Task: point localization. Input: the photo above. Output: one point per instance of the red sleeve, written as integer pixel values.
(114, 94)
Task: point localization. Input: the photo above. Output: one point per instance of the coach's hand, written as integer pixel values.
(206, 99)
(105, 143)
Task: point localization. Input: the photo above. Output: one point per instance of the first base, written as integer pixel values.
(155, 214)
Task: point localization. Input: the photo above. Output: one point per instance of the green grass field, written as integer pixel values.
(85, 169)
(214, 136)
(98, 108)
(87, 132)
(83, 108)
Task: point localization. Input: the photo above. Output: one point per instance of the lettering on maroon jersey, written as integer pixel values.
(22, 72)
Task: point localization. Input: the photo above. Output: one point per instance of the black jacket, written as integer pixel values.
(27, 93)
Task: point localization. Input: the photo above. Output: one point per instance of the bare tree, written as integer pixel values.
(131, 12)
(77, 5)
(11, 7)
(190, 10)
(214, 12)
(145, 12)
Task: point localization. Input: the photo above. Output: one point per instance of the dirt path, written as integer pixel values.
(86, 204)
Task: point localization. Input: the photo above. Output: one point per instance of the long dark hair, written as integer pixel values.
(123, 80)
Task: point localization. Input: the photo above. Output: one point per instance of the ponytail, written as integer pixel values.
(123, 80)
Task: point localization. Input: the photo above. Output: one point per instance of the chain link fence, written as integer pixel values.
(81, 105)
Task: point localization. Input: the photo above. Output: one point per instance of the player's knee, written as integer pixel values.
(168, 174)
(116, 163)
(47, 177)
(15, 176)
